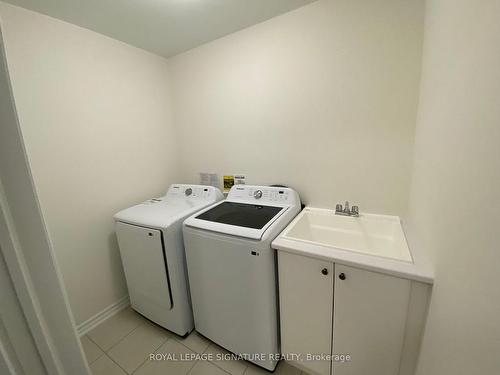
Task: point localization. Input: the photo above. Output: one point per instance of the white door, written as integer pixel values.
(143, 258)
(369, 321)
(306, 303)
(18, 351)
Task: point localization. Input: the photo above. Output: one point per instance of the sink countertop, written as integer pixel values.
(418, 269)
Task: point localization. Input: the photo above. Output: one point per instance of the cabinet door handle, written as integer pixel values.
(324, 271)
(342, 276)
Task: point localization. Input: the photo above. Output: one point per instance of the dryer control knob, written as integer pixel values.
(257, 194)
(188, 192)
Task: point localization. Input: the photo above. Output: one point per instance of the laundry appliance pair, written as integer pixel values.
(191, 246)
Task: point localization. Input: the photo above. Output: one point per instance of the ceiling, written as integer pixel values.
(164, 27)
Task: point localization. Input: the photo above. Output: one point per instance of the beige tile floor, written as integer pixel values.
(122, 345)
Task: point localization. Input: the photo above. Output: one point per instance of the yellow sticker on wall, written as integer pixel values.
(228, 183)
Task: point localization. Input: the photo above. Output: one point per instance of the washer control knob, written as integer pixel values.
(257, 194)
(188, 192)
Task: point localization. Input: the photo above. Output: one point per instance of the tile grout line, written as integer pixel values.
(95, 360)
(215, 363)
(191, 350)
(105, 352)
(212, 363)
(197, 361)
(120, 340)
(96, 344)
(153, 351)
(102, 352)
(194, 365)
(194, 351)
(124, 337)
(156, 351)
(172, 336)
(116, 363)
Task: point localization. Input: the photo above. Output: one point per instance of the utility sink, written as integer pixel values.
(377, 235)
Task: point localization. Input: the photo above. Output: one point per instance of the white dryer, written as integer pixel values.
(152, 251)
(232, 269)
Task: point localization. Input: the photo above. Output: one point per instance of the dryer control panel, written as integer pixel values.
(198, 192)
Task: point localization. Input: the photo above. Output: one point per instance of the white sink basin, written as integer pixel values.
(377, 235)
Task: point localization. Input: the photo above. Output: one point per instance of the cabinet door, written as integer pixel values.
(306, 304)
(369, 321)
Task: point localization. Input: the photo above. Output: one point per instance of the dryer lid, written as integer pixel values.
(179, 202)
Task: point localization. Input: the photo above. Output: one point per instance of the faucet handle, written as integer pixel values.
(338, 208)
(355, 210)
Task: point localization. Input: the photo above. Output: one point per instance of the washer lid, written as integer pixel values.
(237, 219)
(241, 214)
(249, 211)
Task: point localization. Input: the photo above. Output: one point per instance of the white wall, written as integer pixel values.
(96, 121)
(455, 201)
(322, 99)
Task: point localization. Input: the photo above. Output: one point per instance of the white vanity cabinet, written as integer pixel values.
(328, 308)
(306, 308)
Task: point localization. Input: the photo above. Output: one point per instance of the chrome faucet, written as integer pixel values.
(346, 211)
(346, 208)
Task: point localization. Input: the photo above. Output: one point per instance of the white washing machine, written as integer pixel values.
(152, 251)
(232, 269)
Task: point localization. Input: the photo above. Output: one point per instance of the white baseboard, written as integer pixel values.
(101, 316)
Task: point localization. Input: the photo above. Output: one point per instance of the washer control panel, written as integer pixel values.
(263, 195)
